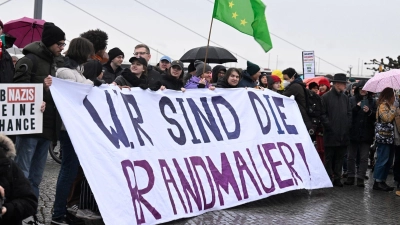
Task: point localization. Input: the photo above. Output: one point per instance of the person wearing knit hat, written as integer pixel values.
(52, 35)
(45, 57)
(202, 78)
(112, 69)
(296, 88)
(324, 86)
(276, 83)
(313, 86)
(250, 75)
(93, 70)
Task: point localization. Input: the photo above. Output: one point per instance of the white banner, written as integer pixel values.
(308, 64)
(152, 157)
(20, 108)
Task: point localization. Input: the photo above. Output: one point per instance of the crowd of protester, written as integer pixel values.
(340, 120)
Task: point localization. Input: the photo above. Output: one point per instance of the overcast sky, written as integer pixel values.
(341, 32)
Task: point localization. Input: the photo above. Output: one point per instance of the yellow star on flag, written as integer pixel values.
(243, 22)
(231, 4)
(234, 15)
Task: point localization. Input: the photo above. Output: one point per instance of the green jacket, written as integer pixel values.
(46, 64)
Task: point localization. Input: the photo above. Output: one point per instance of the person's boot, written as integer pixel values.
(349, 181)
(337, 183)
(360, 182)
(382, 186)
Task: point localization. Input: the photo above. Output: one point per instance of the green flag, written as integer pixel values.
(246, 16)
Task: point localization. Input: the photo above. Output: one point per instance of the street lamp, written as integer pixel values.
(350, 67)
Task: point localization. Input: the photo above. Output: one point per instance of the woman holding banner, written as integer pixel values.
(78, 53)
(230, 80)
(173, 79)
(135, 76)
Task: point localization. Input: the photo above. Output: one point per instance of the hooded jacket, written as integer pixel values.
(363, 123)
(297, 89)
(247, 80)
(215, 72)
(46, 64)
(20, 200)
(109, 74)
(193, 83)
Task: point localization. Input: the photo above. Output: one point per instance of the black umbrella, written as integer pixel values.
(215, 55)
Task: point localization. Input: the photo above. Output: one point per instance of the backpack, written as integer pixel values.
(313, 106)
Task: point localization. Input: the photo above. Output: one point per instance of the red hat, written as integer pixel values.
(275, 78)
(324, 81)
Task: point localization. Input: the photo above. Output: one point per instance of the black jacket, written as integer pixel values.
(6, 68)
(109, 73)
(247, 80)
(171, 82)
(297, 88)
(46, 65)
(363, 123)
(337, 118)
(153, 76)
(127, 78)
(20, 200)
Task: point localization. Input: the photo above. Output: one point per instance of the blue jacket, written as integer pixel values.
(246, 80)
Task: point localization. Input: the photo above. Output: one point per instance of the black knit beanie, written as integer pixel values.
(200, 67)
(92, 69)
(113, 53)
(52, 34)
(252, 68)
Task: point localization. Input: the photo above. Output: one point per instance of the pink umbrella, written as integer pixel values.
(26, 30)
(383, 80)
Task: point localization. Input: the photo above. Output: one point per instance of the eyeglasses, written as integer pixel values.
(61, 44)
(140, 53)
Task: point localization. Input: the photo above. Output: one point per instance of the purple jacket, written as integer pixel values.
(194, 82)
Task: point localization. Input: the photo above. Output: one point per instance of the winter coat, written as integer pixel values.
(6, 68)
(193, 83)
(153, 76)
(46, 65)
(72, 72)
(20, 200)
(127, 78)
(297, 88)
(109, 74)
(336, 118)
(386, 113)
(247, 80)
(171, 82)
(363, 123)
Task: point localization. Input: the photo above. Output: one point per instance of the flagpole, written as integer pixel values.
(208, 44)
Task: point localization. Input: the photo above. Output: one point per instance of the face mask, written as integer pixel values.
(285, 83)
